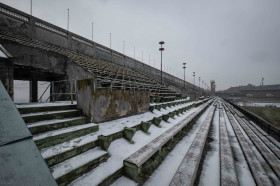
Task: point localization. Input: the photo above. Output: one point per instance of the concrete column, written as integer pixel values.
(33, 89)
(193, 95)
(7, 76)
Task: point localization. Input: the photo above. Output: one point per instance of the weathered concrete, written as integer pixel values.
(20, 161)
(7, 75)
(105, 104)
(193, 96)
(19, 22)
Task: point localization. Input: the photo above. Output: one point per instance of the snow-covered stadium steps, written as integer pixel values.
(260, 170)
(54, 124)
(143, 162)
(48, 115)
(44, 107)
(266, 150)
(58, 153)
(262, 136)
(187, 171)
(227, 166)
(75, 167)
(120, 149)
(54, 137)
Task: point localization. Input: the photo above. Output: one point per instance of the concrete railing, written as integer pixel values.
(44, 31)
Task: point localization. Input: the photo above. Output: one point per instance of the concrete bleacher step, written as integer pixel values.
(187, 171)
(227, 166)
(55, 158)
(70, 169)
(51, 138)
(40, 116)
(260, 175)
(54, 124)
(141, 164)
(37, 108)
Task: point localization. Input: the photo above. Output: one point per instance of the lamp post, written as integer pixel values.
(184, 67)
(194, 80)
(123, 46)
(134, 51)
(110, 40)
(199, 81)
(92, 31)
(31, 7)
(161, 49)
(202, 84)
(68, 19)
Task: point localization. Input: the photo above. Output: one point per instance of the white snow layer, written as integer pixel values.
(120, 149)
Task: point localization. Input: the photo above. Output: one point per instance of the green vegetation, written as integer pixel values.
(271, 114)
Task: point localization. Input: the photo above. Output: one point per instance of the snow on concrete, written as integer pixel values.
(48, 104)
(244, 175)
(124, 181)
(107, 128)
(47, 112)
(264, 164)
(76, 162)
(265, 134)
(164, 173)
(50, 122)
(153, 104)
(120, 149)
(62, 131)
(210, 174)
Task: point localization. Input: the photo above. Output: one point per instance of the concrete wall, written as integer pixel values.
(7, 75)
(105, 104)
(35, 28)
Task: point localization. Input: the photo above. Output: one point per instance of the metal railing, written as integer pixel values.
(62, 90)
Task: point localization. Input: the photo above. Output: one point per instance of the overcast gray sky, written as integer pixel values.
(234, 42)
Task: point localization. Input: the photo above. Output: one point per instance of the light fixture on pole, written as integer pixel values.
(134, 51)
(161, 49)
(31, 7)
(110, 40)
(123, 46)
(194, 80)
(202, 84)
(184, 67)
(199, 81)
(92, 31)
(68, 19)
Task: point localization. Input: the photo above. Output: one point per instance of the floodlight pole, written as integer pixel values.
(161, 49)
(30, 7)
(92, 31)
(184, 67)
(110, 40)
(68, 19)
(194, 80)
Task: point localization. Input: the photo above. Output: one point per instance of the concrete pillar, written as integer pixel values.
(193, 95)
(7, 76)
(33, 90)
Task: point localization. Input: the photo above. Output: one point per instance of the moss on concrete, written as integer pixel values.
(53, 140)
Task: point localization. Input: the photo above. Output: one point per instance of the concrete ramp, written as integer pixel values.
(21, 162)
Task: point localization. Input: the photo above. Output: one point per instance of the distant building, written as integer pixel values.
(213, 87)
(265, 93)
